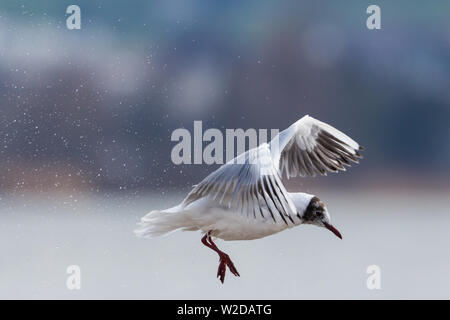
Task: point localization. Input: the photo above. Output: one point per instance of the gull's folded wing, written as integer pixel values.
(310, 147)
(250, 183)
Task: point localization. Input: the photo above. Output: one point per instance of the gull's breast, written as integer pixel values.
(229, 225)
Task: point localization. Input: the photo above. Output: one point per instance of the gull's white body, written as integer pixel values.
(204, 214)
(245, 198)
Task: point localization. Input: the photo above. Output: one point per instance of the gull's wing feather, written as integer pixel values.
(310, 147)
(250, 184)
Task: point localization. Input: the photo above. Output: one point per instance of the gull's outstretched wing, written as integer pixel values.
(250, 183)
(310, 147)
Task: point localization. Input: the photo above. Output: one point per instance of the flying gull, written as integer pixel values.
(245, 198)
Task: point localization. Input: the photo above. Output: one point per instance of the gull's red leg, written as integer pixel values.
(223, 258)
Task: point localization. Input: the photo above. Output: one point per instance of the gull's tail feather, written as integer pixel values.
(160, 222)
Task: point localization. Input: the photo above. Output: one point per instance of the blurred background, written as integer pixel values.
(86, 118)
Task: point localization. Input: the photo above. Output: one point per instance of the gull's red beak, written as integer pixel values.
(332, 229)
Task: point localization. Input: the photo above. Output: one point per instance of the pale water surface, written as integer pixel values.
(407, 235)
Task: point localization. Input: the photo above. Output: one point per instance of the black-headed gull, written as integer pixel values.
(245, 198)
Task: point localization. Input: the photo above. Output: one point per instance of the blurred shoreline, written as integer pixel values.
(63, 183)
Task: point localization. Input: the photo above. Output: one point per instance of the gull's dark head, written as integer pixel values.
(316, 213)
